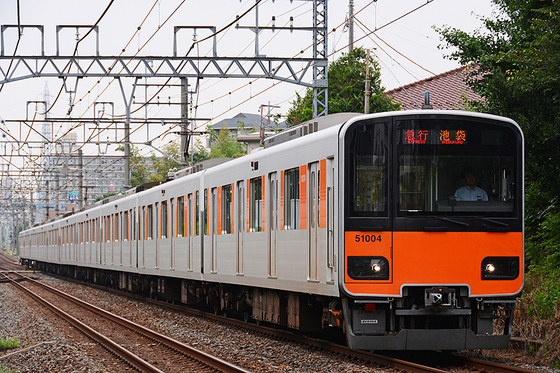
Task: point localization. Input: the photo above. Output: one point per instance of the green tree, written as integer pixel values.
(347, 77)
(139, 170)
(162, 165)
(198, 153)
(225, 144)
(516, 55)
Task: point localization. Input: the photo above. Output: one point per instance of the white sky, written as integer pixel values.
(412, 37)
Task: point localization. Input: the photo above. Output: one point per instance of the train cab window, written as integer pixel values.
(291, 199)
(255, 204)
(439, 161)
(226, 209)
(366, 168)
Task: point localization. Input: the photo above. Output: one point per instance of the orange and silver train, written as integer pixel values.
(367, 223)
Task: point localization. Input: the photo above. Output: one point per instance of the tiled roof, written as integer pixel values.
(249, 120)
(448, 91)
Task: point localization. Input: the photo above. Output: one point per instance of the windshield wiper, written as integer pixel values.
(453, 221)
(494, 221)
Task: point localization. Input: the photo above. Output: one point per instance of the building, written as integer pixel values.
(247, 128)
(448, 91)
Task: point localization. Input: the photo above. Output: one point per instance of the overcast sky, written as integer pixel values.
(407, 49)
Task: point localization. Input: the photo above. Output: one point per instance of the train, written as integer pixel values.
(349, 223)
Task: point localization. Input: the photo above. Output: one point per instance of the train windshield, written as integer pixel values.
(455, 166)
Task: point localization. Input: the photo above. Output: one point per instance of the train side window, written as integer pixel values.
(196, 214)
(226, 209)
(125, 227)
(291, 199)
(180, 217)
(107, 230)
(255, 207)
(164, 219)
(206, 212)
(117, 227)
(150, 222)
(143, 217)
(133, 226)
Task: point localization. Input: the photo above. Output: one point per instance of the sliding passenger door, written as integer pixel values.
(327, 214)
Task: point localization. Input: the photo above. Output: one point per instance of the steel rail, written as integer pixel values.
(203, 357)
(488, 366)
(383, 360)
(132, 359)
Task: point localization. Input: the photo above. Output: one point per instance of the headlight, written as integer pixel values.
(368, 268)
(500, 268)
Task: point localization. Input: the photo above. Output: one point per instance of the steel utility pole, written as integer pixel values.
(367, 92)
(184, 123)
(350, 26)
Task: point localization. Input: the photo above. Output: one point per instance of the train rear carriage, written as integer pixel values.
(425, 265)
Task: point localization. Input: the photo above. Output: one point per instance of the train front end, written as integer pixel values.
(427, 263)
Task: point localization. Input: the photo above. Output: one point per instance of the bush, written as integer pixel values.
(537, 316)
(546, 300)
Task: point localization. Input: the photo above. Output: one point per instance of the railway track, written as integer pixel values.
(7, 263)
(432, 362)
(141, 348)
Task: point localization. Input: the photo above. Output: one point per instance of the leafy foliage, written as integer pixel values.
(139, 170)
(516, 56)
(517, 59)
(198, 153)
(225, 144)
(347, 77)
(162, 165)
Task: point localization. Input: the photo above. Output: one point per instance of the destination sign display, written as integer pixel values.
(435, 137)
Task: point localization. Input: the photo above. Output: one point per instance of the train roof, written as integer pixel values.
(309, 127)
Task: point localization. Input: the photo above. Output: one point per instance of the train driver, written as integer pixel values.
(470, 192)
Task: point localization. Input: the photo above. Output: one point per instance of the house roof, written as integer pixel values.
(250, 121)
(448, 91)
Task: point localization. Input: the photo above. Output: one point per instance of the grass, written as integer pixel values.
(537, 317)
(7, 343)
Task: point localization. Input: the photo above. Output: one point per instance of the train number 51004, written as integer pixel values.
(368, 238)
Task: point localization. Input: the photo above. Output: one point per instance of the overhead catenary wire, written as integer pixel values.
(155, 95)
(361, 24)
(214, 99)
(228, 94)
